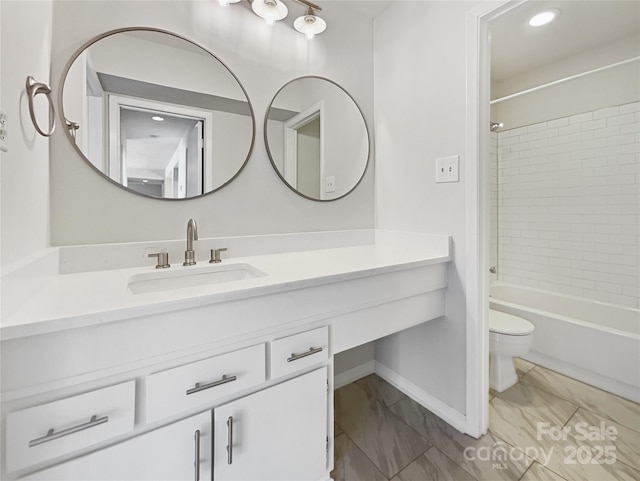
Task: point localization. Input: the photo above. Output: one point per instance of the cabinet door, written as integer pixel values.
(168, 453)
(276, 434)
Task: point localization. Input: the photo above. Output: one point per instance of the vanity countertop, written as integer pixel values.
(82, 299)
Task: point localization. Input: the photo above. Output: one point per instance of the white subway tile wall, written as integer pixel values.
(568, 205)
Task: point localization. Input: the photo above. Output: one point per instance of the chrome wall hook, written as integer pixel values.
(34, 88)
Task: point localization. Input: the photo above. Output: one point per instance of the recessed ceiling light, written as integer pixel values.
(144, 181)
(157, 118)
(543, 18)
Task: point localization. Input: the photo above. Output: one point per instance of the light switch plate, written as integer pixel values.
(3, 131)
(330, 184)
(447, 169)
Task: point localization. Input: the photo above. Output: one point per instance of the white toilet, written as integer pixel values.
(509, 336)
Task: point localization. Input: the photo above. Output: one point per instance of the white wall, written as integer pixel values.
(75, 102)
(569, 205)
(420, 114)
(85, 208)
(24, 170)
(354, 358)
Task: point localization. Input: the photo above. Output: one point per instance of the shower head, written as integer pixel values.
(493, 126)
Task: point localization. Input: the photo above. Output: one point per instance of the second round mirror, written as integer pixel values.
(317, 138)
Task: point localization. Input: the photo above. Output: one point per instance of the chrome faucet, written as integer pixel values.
(192, 235)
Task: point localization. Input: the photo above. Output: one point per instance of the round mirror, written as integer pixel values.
(157, 114)
(317, 138)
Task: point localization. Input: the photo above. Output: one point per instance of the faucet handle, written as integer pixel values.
(163, 259)
(215, 255)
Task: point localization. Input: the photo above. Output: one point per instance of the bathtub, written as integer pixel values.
(594, 342)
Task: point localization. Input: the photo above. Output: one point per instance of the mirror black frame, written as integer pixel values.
(62, 119)
(273, 164)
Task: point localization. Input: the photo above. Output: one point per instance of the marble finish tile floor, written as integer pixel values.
(547, 427)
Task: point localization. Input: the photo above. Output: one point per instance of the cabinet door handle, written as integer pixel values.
(197, 455)
(201, 387)
(51, 434)
(230, 440)
(312, 350)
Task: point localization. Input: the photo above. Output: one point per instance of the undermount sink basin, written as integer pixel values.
(191, 277)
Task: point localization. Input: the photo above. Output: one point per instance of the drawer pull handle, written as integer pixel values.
(312, 350)
(51, 434)
(230, 440)
(201, 387)
(197, 461)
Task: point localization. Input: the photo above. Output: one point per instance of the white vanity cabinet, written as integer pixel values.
(277, 434)
(247, 364)
(251, 426)
(274, 435)
(179, 451)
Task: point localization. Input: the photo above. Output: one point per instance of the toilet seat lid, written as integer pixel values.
(503, 323)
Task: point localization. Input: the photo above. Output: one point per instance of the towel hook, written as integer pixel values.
(72, 127)
(34, 88)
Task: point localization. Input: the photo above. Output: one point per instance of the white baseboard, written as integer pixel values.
(437, 407)
(354, 374)
(608, 384)
(440, 409)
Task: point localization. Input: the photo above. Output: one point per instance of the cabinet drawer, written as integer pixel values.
(177, 452)
(61, 427)
(200, 383)
(293, 353)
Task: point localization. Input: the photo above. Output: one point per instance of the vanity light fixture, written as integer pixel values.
(224, 3)
(274, 10)
(270, 10)
(544, 17)
(310, 24)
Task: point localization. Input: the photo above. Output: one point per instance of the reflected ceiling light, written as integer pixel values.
(270, 10)
(144, 181)
(544, 17)
(157, 118)
(310, 24)
(224, 3)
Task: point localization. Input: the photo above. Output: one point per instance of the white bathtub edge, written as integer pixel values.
(563, 318)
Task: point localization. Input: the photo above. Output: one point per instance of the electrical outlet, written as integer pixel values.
(447, 169)
(3, 131)
(330, 184)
